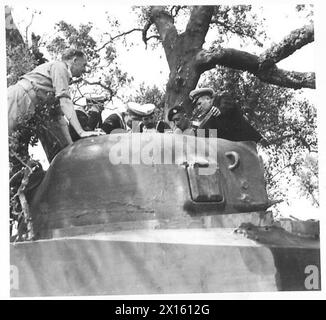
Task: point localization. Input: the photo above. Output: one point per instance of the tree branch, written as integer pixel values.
(117, 36)
(27, 27)
(279, 171)
(153, 37)
(145, 30)
(198, 24)
(238, 31)
(17, 156)
(176, 10)
(245, 61)
(291, 43)
(98, 83)
(144, 33)
(270, 142)
(16, 175)
(166, 29)
(25, 205)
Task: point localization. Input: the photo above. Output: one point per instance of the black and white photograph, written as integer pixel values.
(166, 149)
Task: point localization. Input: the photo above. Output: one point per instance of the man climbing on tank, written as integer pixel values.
(42, 86)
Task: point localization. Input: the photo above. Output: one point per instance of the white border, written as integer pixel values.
(320, 37)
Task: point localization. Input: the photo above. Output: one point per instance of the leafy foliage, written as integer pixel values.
(154, 95)
(308, 176)
(285, 119)
(227, 21)
(239, 20)
(68, 36)
(29, 129)
(20, 60)
(306, 10)
(103, 65)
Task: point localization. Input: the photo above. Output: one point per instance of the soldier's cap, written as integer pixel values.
(194, 95)
(140, 110)
(173, 111)
(96, 99)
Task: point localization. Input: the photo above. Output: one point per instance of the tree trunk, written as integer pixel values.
(187, 60)
(181, 51)
(183, 77)
(13, 36)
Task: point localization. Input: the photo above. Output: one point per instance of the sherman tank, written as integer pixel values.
(160, 213)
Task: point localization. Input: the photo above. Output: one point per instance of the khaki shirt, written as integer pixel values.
(51, 76)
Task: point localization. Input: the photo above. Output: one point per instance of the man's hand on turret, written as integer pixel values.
(85, 134)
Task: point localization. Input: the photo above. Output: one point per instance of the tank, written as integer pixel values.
(150, 213)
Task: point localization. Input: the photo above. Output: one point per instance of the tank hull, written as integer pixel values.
(174, 261)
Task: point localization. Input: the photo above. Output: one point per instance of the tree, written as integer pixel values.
(20, 59)
(187, 58)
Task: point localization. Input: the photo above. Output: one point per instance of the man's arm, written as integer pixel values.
(69, 112)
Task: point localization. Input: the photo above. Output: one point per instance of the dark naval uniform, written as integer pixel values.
(231, 124)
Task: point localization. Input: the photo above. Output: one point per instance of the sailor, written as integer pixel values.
(134, 117)
(225, 115)
(122, 120)
(148, 123)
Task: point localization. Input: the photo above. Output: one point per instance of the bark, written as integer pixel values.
(181, 51)
(245, 61)
(25, 205)
(198, 25)
(291, 43)
(187, 60)
(13, 36)
(167, 31)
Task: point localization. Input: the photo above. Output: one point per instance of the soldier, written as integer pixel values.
(181, 122)
(224, 115)
(89, 116)
(47, 82)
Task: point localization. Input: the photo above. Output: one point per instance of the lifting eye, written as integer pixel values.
(234, 157)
